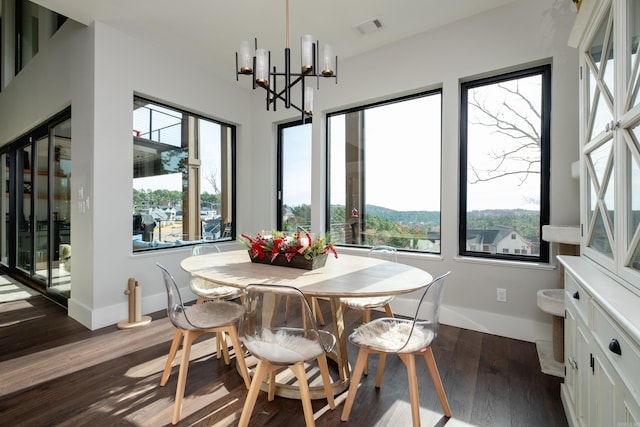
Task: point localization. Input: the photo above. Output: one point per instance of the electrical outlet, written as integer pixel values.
(501, 294)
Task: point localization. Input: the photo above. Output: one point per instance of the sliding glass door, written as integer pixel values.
(35, 236)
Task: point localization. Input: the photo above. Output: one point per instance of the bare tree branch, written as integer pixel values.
(516, 117)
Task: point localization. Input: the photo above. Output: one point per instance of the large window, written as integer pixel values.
(504, 165)
(294, 176)
(183, 174)
(384, 173)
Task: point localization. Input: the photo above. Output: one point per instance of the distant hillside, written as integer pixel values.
(420, 219)
(526, 222)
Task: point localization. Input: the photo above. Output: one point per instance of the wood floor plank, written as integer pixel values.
(491, 396)
(54, 372)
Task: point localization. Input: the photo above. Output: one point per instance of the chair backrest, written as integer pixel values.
(268, 335)
(424, 328)
(205, 248)
(387, 253)
(175, 307)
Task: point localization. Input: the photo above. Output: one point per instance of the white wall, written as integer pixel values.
(99, 84)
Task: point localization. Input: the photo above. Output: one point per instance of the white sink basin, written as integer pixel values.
(551, 301)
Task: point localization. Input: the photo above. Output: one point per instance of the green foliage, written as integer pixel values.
(300, 216)
(399, 228)
(145, 199)
(527, 223)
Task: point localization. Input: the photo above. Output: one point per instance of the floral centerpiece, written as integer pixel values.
(299, 250)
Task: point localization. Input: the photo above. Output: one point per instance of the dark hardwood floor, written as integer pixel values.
(54, 372)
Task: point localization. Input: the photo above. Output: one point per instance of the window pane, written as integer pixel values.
(384, 174)
(182, 177)
(502, 188)
(28, 31)
(61, 277)
(295, 177)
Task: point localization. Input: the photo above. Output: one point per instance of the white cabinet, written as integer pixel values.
(602, 348)
(577, 357)
(607, 35)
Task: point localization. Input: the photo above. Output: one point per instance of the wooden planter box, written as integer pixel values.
(297, 261)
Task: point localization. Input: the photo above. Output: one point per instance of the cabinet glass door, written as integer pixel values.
(600, 215)
(600, 68)
(630, 140)
(600, 142)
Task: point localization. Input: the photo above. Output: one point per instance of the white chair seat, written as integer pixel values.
(366, 302)
(283, 347)
(210, 290)
(213, 314)
(390, 335)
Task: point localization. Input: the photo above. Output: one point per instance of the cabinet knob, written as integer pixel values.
(614, 346)
(573, 363)
(576, 295)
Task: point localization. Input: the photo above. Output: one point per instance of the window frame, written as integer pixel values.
(232, 174)
(362, 108)
(280, 164)
(545, 160)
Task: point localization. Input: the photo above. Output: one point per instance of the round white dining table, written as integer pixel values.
(347, 276)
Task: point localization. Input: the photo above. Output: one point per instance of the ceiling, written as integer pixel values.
(212, 29)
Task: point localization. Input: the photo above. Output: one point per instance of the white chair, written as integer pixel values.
(278, 344)
(191, 322)
(209, 291)
(387, 253)
(406, 338)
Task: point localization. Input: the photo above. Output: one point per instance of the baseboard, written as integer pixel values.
(111, 315)
(483, 321)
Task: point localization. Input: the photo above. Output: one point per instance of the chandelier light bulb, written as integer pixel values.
(328, 66)
(246, 59)
(308, 100)
(307, 53)
(262, 67)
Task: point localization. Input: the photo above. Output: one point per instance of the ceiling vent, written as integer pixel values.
(369, 26)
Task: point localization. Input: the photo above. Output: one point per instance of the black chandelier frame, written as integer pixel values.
(273, 93)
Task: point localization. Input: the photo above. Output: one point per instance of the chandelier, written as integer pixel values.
(257, 64)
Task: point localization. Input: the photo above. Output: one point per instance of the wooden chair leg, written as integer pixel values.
(271, 386)
(189, 337)
(355, 381)
(221, 338)
(381, 361)
(387, 309)
(177, 337)
(218, 346)
(326, 380)
(410, 363)
(262, 370)
(437, 381)
(305, 397)
(318, 312)
(366, 318)
(287, 304)
(237, 348)
(366, 315)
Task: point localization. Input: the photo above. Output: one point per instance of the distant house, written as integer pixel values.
(499, 240)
